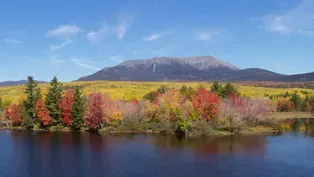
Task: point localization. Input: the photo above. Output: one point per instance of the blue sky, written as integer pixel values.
(70, 39)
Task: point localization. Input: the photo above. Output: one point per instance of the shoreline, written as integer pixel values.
(259, 130)
(256, 130)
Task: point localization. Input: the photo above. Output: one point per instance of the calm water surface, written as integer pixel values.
(31, 154)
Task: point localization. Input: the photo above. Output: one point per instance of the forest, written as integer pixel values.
(195, 109)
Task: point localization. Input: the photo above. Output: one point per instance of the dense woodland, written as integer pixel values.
(185, 110)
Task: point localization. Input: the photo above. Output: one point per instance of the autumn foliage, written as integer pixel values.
(95, 114)
(14, 114)
(113, 111)
(166, 109)
(66, 107)
(43, 113)
(285, 106)
(205, 103)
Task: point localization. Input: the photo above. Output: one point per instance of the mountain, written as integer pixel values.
(203, 68)
(161, 68)
(14, 83)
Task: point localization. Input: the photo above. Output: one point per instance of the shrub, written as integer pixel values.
(230, 117)
(206, 104)
(187, 92)
(237, 112)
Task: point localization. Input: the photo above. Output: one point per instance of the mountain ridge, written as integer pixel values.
(198, 68)
(161, 68)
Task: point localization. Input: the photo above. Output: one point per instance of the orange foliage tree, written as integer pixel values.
(205, 103)
(94, 115)
(66, 107)
(112, 110)
(14, 114)
(43, 113)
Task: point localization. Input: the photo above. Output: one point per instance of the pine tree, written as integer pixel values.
(297, 101)
(216, 87)
(27, 118)
(53, 99)
(28, 108)
(77, 112)
(227, 90)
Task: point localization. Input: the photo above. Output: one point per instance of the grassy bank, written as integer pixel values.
(291, 115)
(122, 130)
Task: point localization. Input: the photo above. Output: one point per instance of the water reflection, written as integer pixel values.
(305, 126)
(83, 154)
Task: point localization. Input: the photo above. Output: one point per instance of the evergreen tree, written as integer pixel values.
(77, 112)
(28, 108)
(216, 87)
(27, 118)
(227, 90)
(53, 99)
(297, 101)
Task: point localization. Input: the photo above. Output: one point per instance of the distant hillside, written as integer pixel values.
(203, 68)
(14, 83)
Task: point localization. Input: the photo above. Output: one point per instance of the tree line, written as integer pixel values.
(187, 110)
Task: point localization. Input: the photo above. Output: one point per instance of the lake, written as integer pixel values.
(31, 154)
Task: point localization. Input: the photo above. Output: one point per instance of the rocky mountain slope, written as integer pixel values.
(203, 68)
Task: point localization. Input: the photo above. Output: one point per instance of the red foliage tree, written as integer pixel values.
(14, 114)
(66, 107)
(205, 103)
(43, 113)
(94, 115)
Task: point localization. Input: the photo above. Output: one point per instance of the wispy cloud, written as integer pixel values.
(56, 61)
(82, 63)
(97, 35)
(59, 46)
(298, 20)
(12, 41)
(205, 36)
(65, 31)
(156, 36)
(124, 22)
(116, 59)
